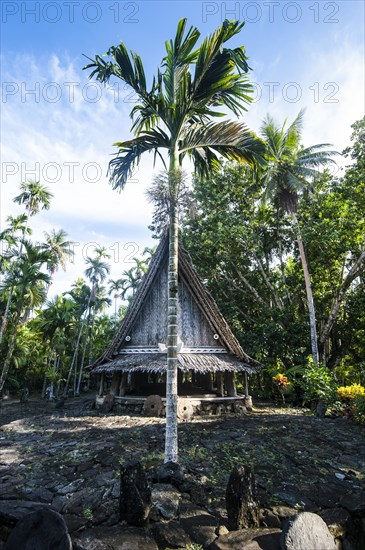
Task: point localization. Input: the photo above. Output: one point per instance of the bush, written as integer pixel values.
(359, 408)
(318, 384)
(348, 393)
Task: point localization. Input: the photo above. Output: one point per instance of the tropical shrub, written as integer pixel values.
(359, 408)
(318, 384)
(349, 393)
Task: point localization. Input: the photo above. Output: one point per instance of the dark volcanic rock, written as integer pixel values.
(117, 537)
(241, 499)
(170, 472)
(171, 535)
(249, 539)
(41, 530)
(135, 494)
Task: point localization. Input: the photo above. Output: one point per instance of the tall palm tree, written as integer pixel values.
(96, 273)
(35, 197)
(57, 322)
(59, 250)
(115, 288)
(28, 284)
(175, 116)
(291, 170)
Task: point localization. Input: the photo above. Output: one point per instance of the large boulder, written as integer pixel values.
(43, 529)
(241, 499)
(135, 494)
(307, 530)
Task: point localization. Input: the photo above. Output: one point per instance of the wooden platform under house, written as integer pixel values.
(133, 366)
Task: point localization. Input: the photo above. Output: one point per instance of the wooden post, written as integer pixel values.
(248, 398)
(230, 384)
(123, 384)
(101, 384)
(220, 384)
(114, 388)
(246, 385)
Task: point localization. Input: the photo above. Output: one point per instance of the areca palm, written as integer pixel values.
(291, 170)
(96, 272)
(58, 248)
(28, 284)
(35, 197)
(115, 288)
(193, 86)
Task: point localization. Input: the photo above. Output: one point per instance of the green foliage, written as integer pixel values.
(318, 384)
(359, 409)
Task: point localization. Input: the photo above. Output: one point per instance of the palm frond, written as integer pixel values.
(130, 152)
(231, 140)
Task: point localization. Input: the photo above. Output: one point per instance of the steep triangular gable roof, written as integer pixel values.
(206, 306)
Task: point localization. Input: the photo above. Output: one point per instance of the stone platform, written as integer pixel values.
(199, 405)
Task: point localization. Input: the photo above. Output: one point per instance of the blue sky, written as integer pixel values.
(59, 128)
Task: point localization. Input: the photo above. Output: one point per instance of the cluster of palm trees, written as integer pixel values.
(27, 267)
(67, 324)
(175, 118)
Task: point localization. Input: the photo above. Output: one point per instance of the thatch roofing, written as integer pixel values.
(146, 320)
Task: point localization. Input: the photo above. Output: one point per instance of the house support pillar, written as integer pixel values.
(101, 384)
(114, 389)
(230, 384)
(248, 398)
(123, 386)
(220, 384)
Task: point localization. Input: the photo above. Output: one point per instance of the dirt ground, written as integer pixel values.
(70, 458)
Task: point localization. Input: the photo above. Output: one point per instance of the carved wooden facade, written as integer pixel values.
(207, 345)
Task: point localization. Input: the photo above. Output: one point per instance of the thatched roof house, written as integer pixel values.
(209, 351)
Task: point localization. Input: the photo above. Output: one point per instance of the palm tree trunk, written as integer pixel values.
(308, 287)
(11, 348)
(6, 313)
(83, 354)
(171, 440)
(10, 295)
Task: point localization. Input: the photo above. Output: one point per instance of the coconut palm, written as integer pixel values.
(290, 171)
(35, 197)
(193, 86)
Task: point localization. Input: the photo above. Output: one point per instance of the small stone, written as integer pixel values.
(306, 530)
(221, 531)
